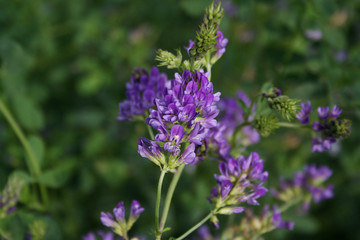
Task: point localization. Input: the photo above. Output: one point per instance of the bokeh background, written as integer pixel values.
(63, 69)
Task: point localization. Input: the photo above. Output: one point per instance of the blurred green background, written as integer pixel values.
(63, 69)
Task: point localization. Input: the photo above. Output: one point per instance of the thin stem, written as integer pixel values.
(158, 198)
(288, 205)
(237, 130)
(151, 133)
(208, 64)
(195, 227)
(291, 125)
(32, 163)
(169, 196)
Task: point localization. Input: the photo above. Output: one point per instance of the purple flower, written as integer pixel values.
(108, 236)
(118, 224)
(190, 46)
(304, 114)
(310, 181)
(103, 235)
(204, 233)
(230, 8)
(252, 225)
(323, 112)
(89, 236)
(107, 219)
(232, 116)
(151, 150)
(329, 128)
(226, 187)
(335, 112)
(314, 34)
(240, 180)
(184, 115)
(141, 92)
(176, 135)
(341, 56)
(136, 209)
(221, 44)
(277, 220)
(188, 156)
(119, 212)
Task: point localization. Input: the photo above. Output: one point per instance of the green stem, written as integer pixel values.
(195, 227)
(237, 130)
(158, 198)
(32, 162)
(168, 198)
(288, 205)
(291, 125)
(208, 64)
(151, 133)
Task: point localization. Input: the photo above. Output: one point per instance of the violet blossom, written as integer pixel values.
(268, 220)
(183, 117)
(221, 44)
(305, 112)
(329, 128)
(116, 221)
(240, 181)
(306, 185)
(233, 115)
(141, 92)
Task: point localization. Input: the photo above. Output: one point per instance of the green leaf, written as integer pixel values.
(38, 147)
(194, 8)
(21, 175)
(27, 113)
(57, 176)
(335, 38)
(12, 228)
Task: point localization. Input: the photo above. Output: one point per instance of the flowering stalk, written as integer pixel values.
(158, 199)
(32, 163)
(168, 199)
(196, 226)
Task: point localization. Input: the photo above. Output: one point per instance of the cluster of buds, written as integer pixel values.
(266, 124)
(169, 59)
(116, 221)
(269, 219)
(37, 230)
(329, 127)
(10, 196)
(207, 35)
(306, 185)
(141, 92)
(282, 104)
(240, 181)
(182, 119)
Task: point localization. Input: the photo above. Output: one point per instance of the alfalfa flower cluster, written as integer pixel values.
(189, 122)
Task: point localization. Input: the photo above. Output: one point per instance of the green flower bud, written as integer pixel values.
(168, 59)
(286, 106)
(266, 124)
(343, 128)
(37, 230)
(206, 36)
